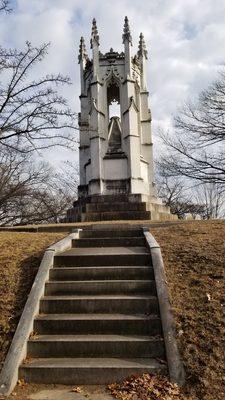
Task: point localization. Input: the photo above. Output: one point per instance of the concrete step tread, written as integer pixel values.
(95, 338)
(97, 317)
(126, 267)
(119, 241)
(94, 363)
(116, 202)
(115, 215)
(109, 238)
(103, 251)
(119, 212)
(105, 281)
(99, 297)
(109, 233)
(109, 242)
(101, 273)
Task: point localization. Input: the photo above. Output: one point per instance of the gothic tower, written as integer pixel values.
(116, 152)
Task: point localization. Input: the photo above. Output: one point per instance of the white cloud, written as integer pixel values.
(185, 40)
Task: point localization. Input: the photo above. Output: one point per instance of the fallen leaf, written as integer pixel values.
(21, 382)
(76, 389)
(208, 296)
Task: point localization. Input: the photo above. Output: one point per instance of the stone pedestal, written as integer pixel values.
(118, 207)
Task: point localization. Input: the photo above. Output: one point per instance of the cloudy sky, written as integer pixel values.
(185, 41)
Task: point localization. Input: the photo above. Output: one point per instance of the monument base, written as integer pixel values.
(118, 207)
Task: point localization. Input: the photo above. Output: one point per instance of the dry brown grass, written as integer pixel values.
(20, 256)
(194, 257)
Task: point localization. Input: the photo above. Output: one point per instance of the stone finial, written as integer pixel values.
(126, 31)
(142, 51)
(94, 34)
(82, 51)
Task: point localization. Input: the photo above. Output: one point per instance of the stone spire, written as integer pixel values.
(126, 32)
(127, 41)
(95, 49)
(94, 34)
(143, 56)
(142, 51)
(82, 51)
(82, 59)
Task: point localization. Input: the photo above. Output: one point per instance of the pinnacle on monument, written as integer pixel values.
(126, 31)
(82, 50)
(142, 51)
(94, 33)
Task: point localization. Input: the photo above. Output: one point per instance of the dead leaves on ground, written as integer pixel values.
(146, 387)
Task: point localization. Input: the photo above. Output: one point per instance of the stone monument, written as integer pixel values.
(116, 151)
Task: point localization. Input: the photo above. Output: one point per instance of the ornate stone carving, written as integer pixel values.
(142, 51)
(94, 34)
(126, 31)
(82, 51)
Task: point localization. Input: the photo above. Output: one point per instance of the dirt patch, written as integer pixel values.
(194, 257)
(20, 256)
(24, 391)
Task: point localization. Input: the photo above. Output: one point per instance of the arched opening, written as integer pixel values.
(114, 109)
(114, 115)
(113, 100)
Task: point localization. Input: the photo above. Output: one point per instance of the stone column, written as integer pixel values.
(96, 115)
(83, 119)
(146, 136)
(130, 112)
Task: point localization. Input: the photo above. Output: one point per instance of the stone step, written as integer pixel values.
(98, 324)
(109, 242)
(112, 256)
(112, 198)
(96, 273)
(104, 233)
(100, 287)
(80, 371)
(115, 206)
(48, 346)
(115, 216)
(128, 304)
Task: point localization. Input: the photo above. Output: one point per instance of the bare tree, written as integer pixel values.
(213, 198)
(43, 206)
(31, 191)
(5, 6)
(33, 115)
(178, 195)
(19, 176)
(68, 177)
(196, 148)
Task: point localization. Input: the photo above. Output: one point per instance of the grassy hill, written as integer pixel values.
(194, 258)
(20, 256)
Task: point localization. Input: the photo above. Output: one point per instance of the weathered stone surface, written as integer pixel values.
(118, 207)
(57, 394)
(96, 393)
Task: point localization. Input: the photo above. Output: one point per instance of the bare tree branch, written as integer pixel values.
(33, 115)
(196, 148)
(5, 6)
(31, 191)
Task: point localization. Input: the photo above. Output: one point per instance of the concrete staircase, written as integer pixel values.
(99, 318)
